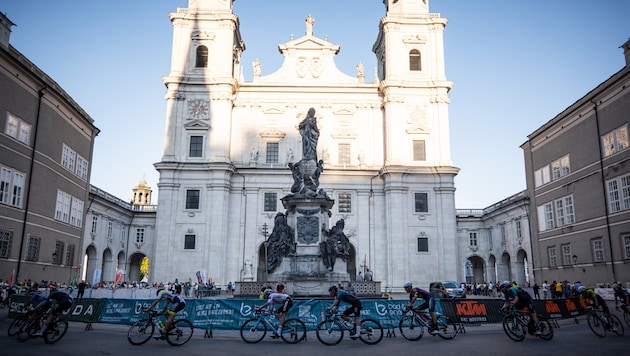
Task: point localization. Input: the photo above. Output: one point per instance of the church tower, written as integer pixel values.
(142, 193)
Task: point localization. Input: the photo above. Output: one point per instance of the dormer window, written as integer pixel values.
(202, 57)
(414, 60)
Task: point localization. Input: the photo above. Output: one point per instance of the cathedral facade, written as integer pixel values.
(383, 142)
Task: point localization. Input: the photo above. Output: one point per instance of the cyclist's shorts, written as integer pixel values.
(430, 304)
(62, 306)
(288, 303)
(175, 308)
(353, 309)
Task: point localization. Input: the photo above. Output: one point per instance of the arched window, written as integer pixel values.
(202, 57)
(414, 60)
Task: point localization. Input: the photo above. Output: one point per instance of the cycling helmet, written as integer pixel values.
(332, 288)
(505, 284)
(407, 285)
(268, 292)
(581, 289)
(159, 292)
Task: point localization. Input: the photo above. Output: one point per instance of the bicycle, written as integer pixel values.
(141, 331)
(413, 322)
(55, 331)
(600, 324)
(331, 330)
(517, 324)
(17, 323)
(254, 329)
(626, 312)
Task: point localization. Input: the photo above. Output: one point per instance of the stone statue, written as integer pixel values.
(336, 245)
(310, 136)
(309, 25)
(256, 65)
(280, 243)
(360, 71)
(248, 268)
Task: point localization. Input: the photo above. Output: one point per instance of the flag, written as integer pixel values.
(11, 278)
(119, 276)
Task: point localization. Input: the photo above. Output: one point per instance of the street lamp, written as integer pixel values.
(265, 230)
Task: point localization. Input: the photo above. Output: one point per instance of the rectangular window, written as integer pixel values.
(68, 157)
(421, 202)
(18, 185)
(6, 238)
(564, 211)
(110, 228)
(519, 232)
(419, 150)
(598, 250)
(566, 255)
(272, 152)
(32, 249)
(196, 146)
(62, 212)
(473, 238)
(94, 224)
(189, 242)
(18, 129)
(139, 236)
(615, 141)
(503, 234)
(82, 167)
(70, 255)
(423, 244)
(271, 202)
(618, 193)
(58, 254)
(345, 203)
(5, 185)
(11, 128)
(626, 246)
(344, 153)
(24, 135)
(560, 167)
(553, 261)
(76, 213)
(542, 176)
(192, 199)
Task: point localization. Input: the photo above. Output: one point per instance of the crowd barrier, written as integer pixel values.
(229, 314)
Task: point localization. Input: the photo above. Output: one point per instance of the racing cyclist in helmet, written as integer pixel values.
(589, 297)
(354, 308)
(176, 302)
(59, 302)
(279, 297)
(621, 294)
(428, 303)
(519, 299)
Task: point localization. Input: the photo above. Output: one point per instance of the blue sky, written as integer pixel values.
(515, 65)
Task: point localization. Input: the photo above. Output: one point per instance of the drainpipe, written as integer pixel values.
(601, 168)
(40, 94)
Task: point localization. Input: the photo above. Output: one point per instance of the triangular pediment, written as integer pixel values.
(309, 43)
(196, 125)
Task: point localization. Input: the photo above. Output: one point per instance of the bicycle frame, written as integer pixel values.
(265, 317)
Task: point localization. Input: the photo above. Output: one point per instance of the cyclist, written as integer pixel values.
(621, 294)
(177, 303)
(354, 308)
(428, 303)
(279, 297)
(519, 299)
(58, 302)
(589, 297)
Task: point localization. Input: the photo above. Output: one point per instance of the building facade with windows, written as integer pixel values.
(384, 143)
(578, 179)
(46, 140)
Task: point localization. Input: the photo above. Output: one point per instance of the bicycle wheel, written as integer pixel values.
(28, 329)
(371, 331)
(293, 331)
(626, 317)
(140, 332)
(56, 331)
(253, 330)
(181, 331)
(16, 324)
(410, 328)
(329, 332)
(596, 324)
(448, 329)
(616, 325)
(546, 329)
(513, 329)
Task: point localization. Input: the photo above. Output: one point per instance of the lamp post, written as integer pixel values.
(265, 230)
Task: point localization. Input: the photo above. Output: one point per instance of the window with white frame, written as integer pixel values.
(344, 153)
(18, 129)
(566, 254)
(472, 236)
(6, 239)
(18, 189)
(82, 167)
(62, 211)
(542, 176)
(626, 245)
(598, 250)
(558, 213)
(76, 212)
(560, 167)
(5, 185)
(615, 141)
(11, 187)
(618, 190)
(345, 203)
(270, 202)
(551, 253)
(68, 157)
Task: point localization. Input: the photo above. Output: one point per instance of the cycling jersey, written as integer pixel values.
(177, 303)
(355, 303)
(285, 301)
(524, 299)
(427, 299)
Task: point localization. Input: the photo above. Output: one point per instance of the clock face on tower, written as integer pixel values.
(198, 109)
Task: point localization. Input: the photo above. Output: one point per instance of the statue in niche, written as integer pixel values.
(280, 243)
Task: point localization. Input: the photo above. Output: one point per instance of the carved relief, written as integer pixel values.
(417, 120)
